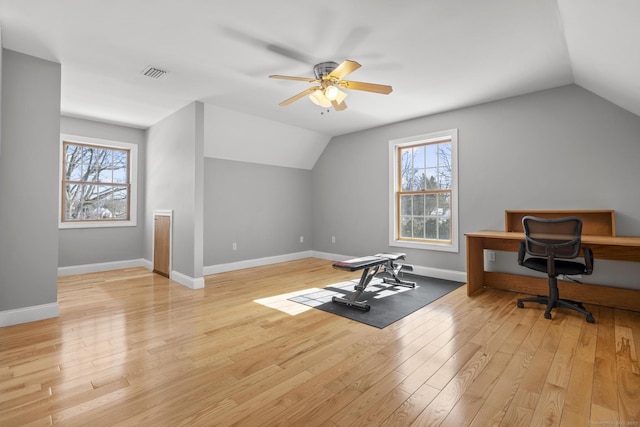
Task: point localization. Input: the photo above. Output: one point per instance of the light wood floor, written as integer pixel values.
(133, 348)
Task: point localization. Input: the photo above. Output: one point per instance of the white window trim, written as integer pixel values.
(394, 144)
(133, 180)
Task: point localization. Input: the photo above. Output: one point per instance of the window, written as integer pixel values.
(98, 185)
(424, 191)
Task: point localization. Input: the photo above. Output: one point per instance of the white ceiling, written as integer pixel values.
(438, 55)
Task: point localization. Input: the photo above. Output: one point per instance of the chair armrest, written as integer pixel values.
(588, 260)
(521, 251)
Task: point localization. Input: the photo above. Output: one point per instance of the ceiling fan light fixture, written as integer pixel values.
(318, 97)
(331, 92)
(340, 97)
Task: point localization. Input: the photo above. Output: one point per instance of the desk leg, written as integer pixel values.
(475, 265)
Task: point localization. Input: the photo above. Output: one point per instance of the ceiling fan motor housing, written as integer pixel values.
(324, 69)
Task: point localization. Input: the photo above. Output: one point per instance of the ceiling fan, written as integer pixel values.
(329, 80)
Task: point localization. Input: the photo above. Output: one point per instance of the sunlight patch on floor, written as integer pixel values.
(282, 303)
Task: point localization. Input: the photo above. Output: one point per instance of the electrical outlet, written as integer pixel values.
(234, 246)
(301, 239)
(491, 256)
(333, 239)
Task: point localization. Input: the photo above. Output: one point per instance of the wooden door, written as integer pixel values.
(161, 244)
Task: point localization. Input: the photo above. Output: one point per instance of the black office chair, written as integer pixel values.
(549, 242)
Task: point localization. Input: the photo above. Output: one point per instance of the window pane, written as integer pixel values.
(406, 171)
(418, 227)
(444, 178)
(418, 157)
(120, 173)
(444, 165)
(432, 155)
(429, 180)
(444, 204)
(105, 175)
(87, 211)
(431, 204)
(444, 229)
(88, 155)
(405, 205)
(103, 157)
(119, 207)
(405, 226)
(104, 199)
(74, 171)
(431, 229)
(72, 162)
(418, 205)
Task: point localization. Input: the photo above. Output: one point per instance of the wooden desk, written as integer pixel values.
(604, 247)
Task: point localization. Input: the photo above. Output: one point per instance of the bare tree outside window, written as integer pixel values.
(95, 183)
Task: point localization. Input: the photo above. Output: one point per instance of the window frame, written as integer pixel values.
(133, 182)
(394, 185)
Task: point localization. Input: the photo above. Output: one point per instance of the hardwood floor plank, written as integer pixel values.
(604, 400)
(406, 413)
(548, 410)
(628, 375)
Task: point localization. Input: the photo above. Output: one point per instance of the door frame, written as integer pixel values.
(169, 213)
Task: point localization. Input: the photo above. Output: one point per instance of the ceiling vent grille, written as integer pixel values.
(153, 72)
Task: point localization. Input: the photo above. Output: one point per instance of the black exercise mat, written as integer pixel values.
(389, 303)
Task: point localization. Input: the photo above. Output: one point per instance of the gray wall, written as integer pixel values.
(29, 181)
(174, 174)
(564, 148)
(1, 55)
(264, 209)
(98, 245)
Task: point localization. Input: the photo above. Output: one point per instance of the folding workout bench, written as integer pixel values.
(370, 266)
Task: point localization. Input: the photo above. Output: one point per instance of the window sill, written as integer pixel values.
(443, 247)
(95, 224)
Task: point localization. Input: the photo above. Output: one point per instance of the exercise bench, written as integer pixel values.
(370, 266)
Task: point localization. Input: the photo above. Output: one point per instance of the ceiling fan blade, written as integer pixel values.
(341, 71)
(367, 87)
(302, 79)
(298, 96)
(257, 41)
(290, 53)
(339, 107)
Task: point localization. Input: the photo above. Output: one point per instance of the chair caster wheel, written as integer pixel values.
(547, 315)
(520, 304)
(590, 319)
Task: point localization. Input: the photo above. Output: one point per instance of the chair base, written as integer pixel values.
(558, 303)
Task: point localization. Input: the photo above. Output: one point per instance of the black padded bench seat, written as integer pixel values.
(371, 266)
(360, 263)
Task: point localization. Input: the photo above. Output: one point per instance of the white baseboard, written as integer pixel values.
(438, 273)
(221, 268)
(188, 281)
(183, 279)
(330, 257)
(198, 283)
(103, 266)
(29, 314)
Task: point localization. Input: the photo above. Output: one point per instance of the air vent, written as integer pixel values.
(153, 72)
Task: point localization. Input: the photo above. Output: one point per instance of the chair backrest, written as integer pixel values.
(559, 238)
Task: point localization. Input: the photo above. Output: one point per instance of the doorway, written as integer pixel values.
(162, 226)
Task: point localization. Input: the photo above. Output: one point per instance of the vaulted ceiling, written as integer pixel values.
(437, 55)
